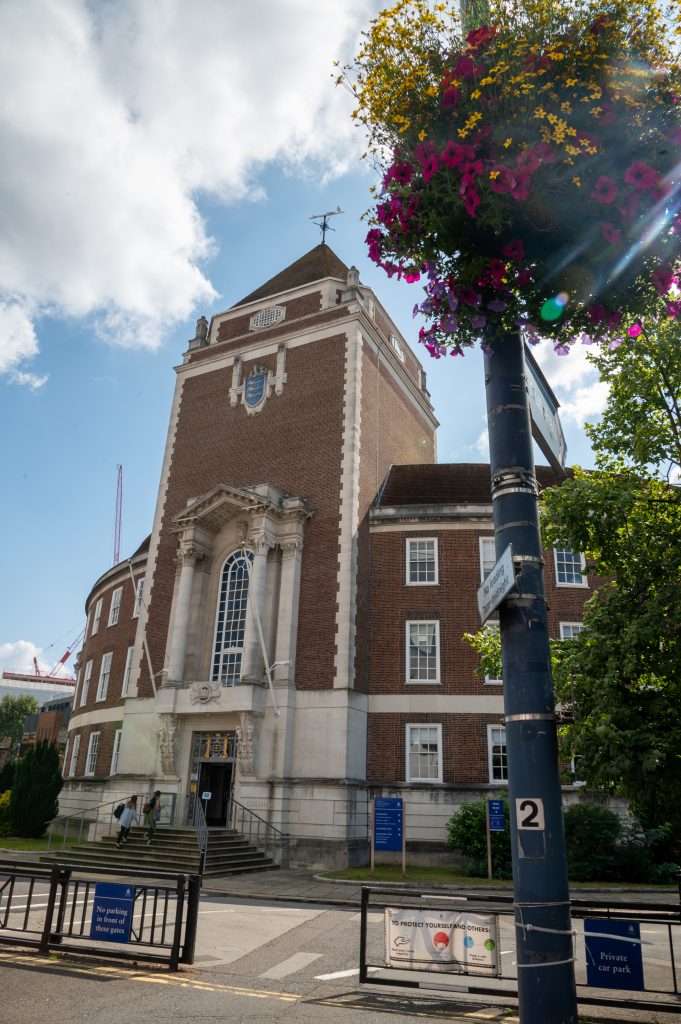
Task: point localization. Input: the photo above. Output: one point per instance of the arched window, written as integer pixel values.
(231, 618)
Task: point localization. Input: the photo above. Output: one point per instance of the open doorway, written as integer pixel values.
(216, 779)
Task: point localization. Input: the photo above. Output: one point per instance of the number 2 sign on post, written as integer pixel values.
(529, 812)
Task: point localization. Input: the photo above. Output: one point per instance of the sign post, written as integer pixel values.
(496, 585)
(546, 979)
(388, 831)
(494, 814)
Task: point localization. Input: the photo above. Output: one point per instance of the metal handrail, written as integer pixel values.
(274, 837)
(91, 816)
(198, 818)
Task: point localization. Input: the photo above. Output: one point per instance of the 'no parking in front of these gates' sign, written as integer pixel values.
(112, 912)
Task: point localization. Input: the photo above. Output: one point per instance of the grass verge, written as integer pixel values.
(448, 876)
(31, 845)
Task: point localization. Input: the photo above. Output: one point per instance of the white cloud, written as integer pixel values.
(115, 116)
(574, 380)
(18, 656)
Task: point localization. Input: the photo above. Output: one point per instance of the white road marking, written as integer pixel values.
(344, 974)
(294, 963)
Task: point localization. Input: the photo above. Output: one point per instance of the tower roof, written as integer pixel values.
(315, 265)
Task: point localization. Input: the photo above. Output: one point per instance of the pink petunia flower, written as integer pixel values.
(466, 68)
(455, 154)
(596, 313)
(505, 179)
(546, 153)
(640, 175)
(478, 321)
(470, 297)
(605, 190)
(673, 310)
(662, 280)
(610, 233)
(514, 250)
(528, 160)
(430, 167)
(634, 330)
(524, 277)
(521, 187)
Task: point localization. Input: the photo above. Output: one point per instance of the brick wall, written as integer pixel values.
(464, 746)
(393, 431)
(116, 639)
(294, 443)
(107, 731)
(238, 326)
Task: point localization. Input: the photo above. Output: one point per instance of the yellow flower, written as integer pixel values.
(551, 118)
(508, 143)
(422, 135)
(576, 181)
(540, 113)
(476, 94)
(494, 174)
(487, 81)
(571, 81)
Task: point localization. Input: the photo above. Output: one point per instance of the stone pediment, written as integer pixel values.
(223, 503)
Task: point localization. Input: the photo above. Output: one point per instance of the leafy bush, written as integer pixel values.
(7, 770)
(467, 832)
(5, 814)
(36, 787)
(591, 835)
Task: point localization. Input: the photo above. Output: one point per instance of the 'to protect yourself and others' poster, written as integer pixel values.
(442, 940)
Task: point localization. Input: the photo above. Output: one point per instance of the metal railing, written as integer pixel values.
(259, 832)
(55, 907)
(379, 964)
(77, 825)
(197, 818)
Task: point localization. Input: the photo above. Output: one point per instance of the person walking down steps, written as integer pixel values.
(125, 821)
(152, 814)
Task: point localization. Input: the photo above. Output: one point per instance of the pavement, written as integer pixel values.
(302, 885)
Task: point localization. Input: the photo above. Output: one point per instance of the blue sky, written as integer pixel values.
(160, 168)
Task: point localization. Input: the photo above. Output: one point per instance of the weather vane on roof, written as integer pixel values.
(324, 217)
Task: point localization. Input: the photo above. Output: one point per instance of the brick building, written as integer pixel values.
(290, 632)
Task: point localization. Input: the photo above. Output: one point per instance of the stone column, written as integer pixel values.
(252, 667)
(178, 642)
(287, 621)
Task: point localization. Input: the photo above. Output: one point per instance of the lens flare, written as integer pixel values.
(553, 308)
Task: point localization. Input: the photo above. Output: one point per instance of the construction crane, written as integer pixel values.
(117, 520)
(62, 661)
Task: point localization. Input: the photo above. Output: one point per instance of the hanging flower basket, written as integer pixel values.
(531, 168)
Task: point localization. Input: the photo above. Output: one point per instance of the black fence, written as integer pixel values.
(151, 917)
(655, 930)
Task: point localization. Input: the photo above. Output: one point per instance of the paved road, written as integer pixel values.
(256, 961)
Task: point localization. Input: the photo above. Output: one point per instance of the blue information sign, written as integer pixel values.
(496, 815)
(613, 954)
(112, 912)
(388, 823)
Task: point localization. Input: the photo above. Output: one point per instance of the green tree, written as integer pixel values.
(37, 785)
(13, 711)
(622, 675)
(7, 770)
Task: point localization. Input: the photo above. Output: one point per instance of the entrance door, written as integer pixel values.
(215, 778)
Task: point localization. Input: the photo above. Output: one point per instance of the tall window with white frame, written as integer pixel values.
(139, 588)
(75, 750)
(116, 751)
(127, 671)
(493, 680)
(569, 630)
(422, 563)
(230, 623)
(423, 651)
(104, 673)
(86, 683)
(488, 557)
(97, 616)
(92, 752)
(496, 753)
(115, 609)
(570, 566)
(424, 753)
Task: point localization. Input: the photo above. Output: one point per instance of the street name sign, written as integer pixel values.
(546, 428)
(497, 585)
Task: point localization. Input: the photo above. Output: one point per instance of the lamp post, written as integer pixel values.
(544, 946)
